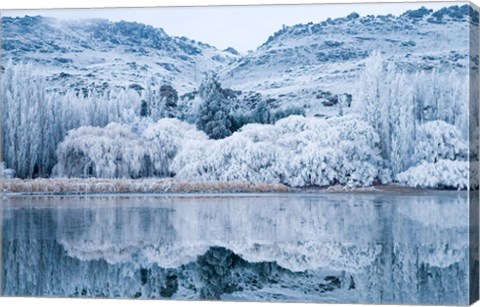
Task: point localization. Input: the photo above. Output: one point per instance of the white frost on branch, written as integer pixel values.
(296, 151)
(442, 174)
(438, 140)
(117, 152)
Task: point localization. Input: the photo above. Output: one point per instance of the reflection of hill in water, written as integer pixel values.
(331, 247)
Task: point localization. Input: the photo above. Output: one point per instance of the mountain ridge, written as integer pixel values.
(294, 66)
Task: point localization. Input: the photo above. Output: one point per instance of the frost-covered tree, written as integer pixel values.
(373, 100)
(163, 140)
(110, 152)
(151, 103)
(296, 151)
(36, 118)
(402, 123)
(169, 99)
(395, 103)
(115, 151)
(24, 120)
(213, 117)
(438, 140)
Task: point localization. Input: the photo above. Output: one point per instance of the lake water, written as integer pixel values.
(328, 247)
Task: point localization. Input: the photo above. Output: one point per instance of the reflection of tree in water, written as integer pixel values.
(414, 258)
(122, 224)
(401, 273)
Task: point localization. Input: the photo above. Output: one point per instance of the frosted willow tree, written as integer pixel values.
(213, 116)
(115, 151)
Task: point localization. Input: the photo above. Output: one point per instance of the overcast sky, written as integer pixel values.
(241, 27)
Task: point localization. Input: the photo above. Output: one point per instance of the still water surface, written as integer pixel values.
(329, 247)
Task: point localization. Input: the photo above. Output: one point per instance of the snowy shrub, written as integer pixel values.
(444, 174)
(441, 157)
(235, 158)
(437, 140)
(313, 166)
(339, 150)
(185, 164)
(296, 151)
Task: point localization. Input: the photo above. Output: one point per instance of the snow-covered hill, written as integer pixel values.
(305, 65)
(98, 53)
(308, 64)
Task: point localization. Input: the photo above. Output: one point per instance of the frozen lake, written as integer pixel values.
(325, 247)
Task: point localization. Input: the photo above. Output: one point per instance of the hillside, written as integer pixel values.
(305, 65)
(99, 53)
(301, 64)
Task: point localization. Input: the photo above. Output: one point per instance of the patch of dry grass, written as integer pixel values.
(95, 185)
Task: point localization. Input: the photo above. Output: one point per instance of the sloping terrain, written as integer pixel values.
(98, 53)
(305, 65)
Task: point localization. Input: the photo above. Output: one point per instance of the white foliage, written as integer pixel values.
(442, 174)
(395, 103)
(438, 140)
(36, 119)
(296, 151)
(113, 151)
(116, 152)
(163, 139)
(441, 155)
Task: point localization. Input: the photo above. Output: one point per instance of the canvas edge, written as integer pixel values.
(1, 166)
(474, 95)
(473, 255)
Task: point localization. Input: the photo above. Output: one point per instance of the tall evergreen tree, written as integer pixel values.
(213, 114)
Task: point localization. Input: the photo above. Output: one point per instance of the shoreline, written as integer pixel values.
(79, 186)
(63, 186)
